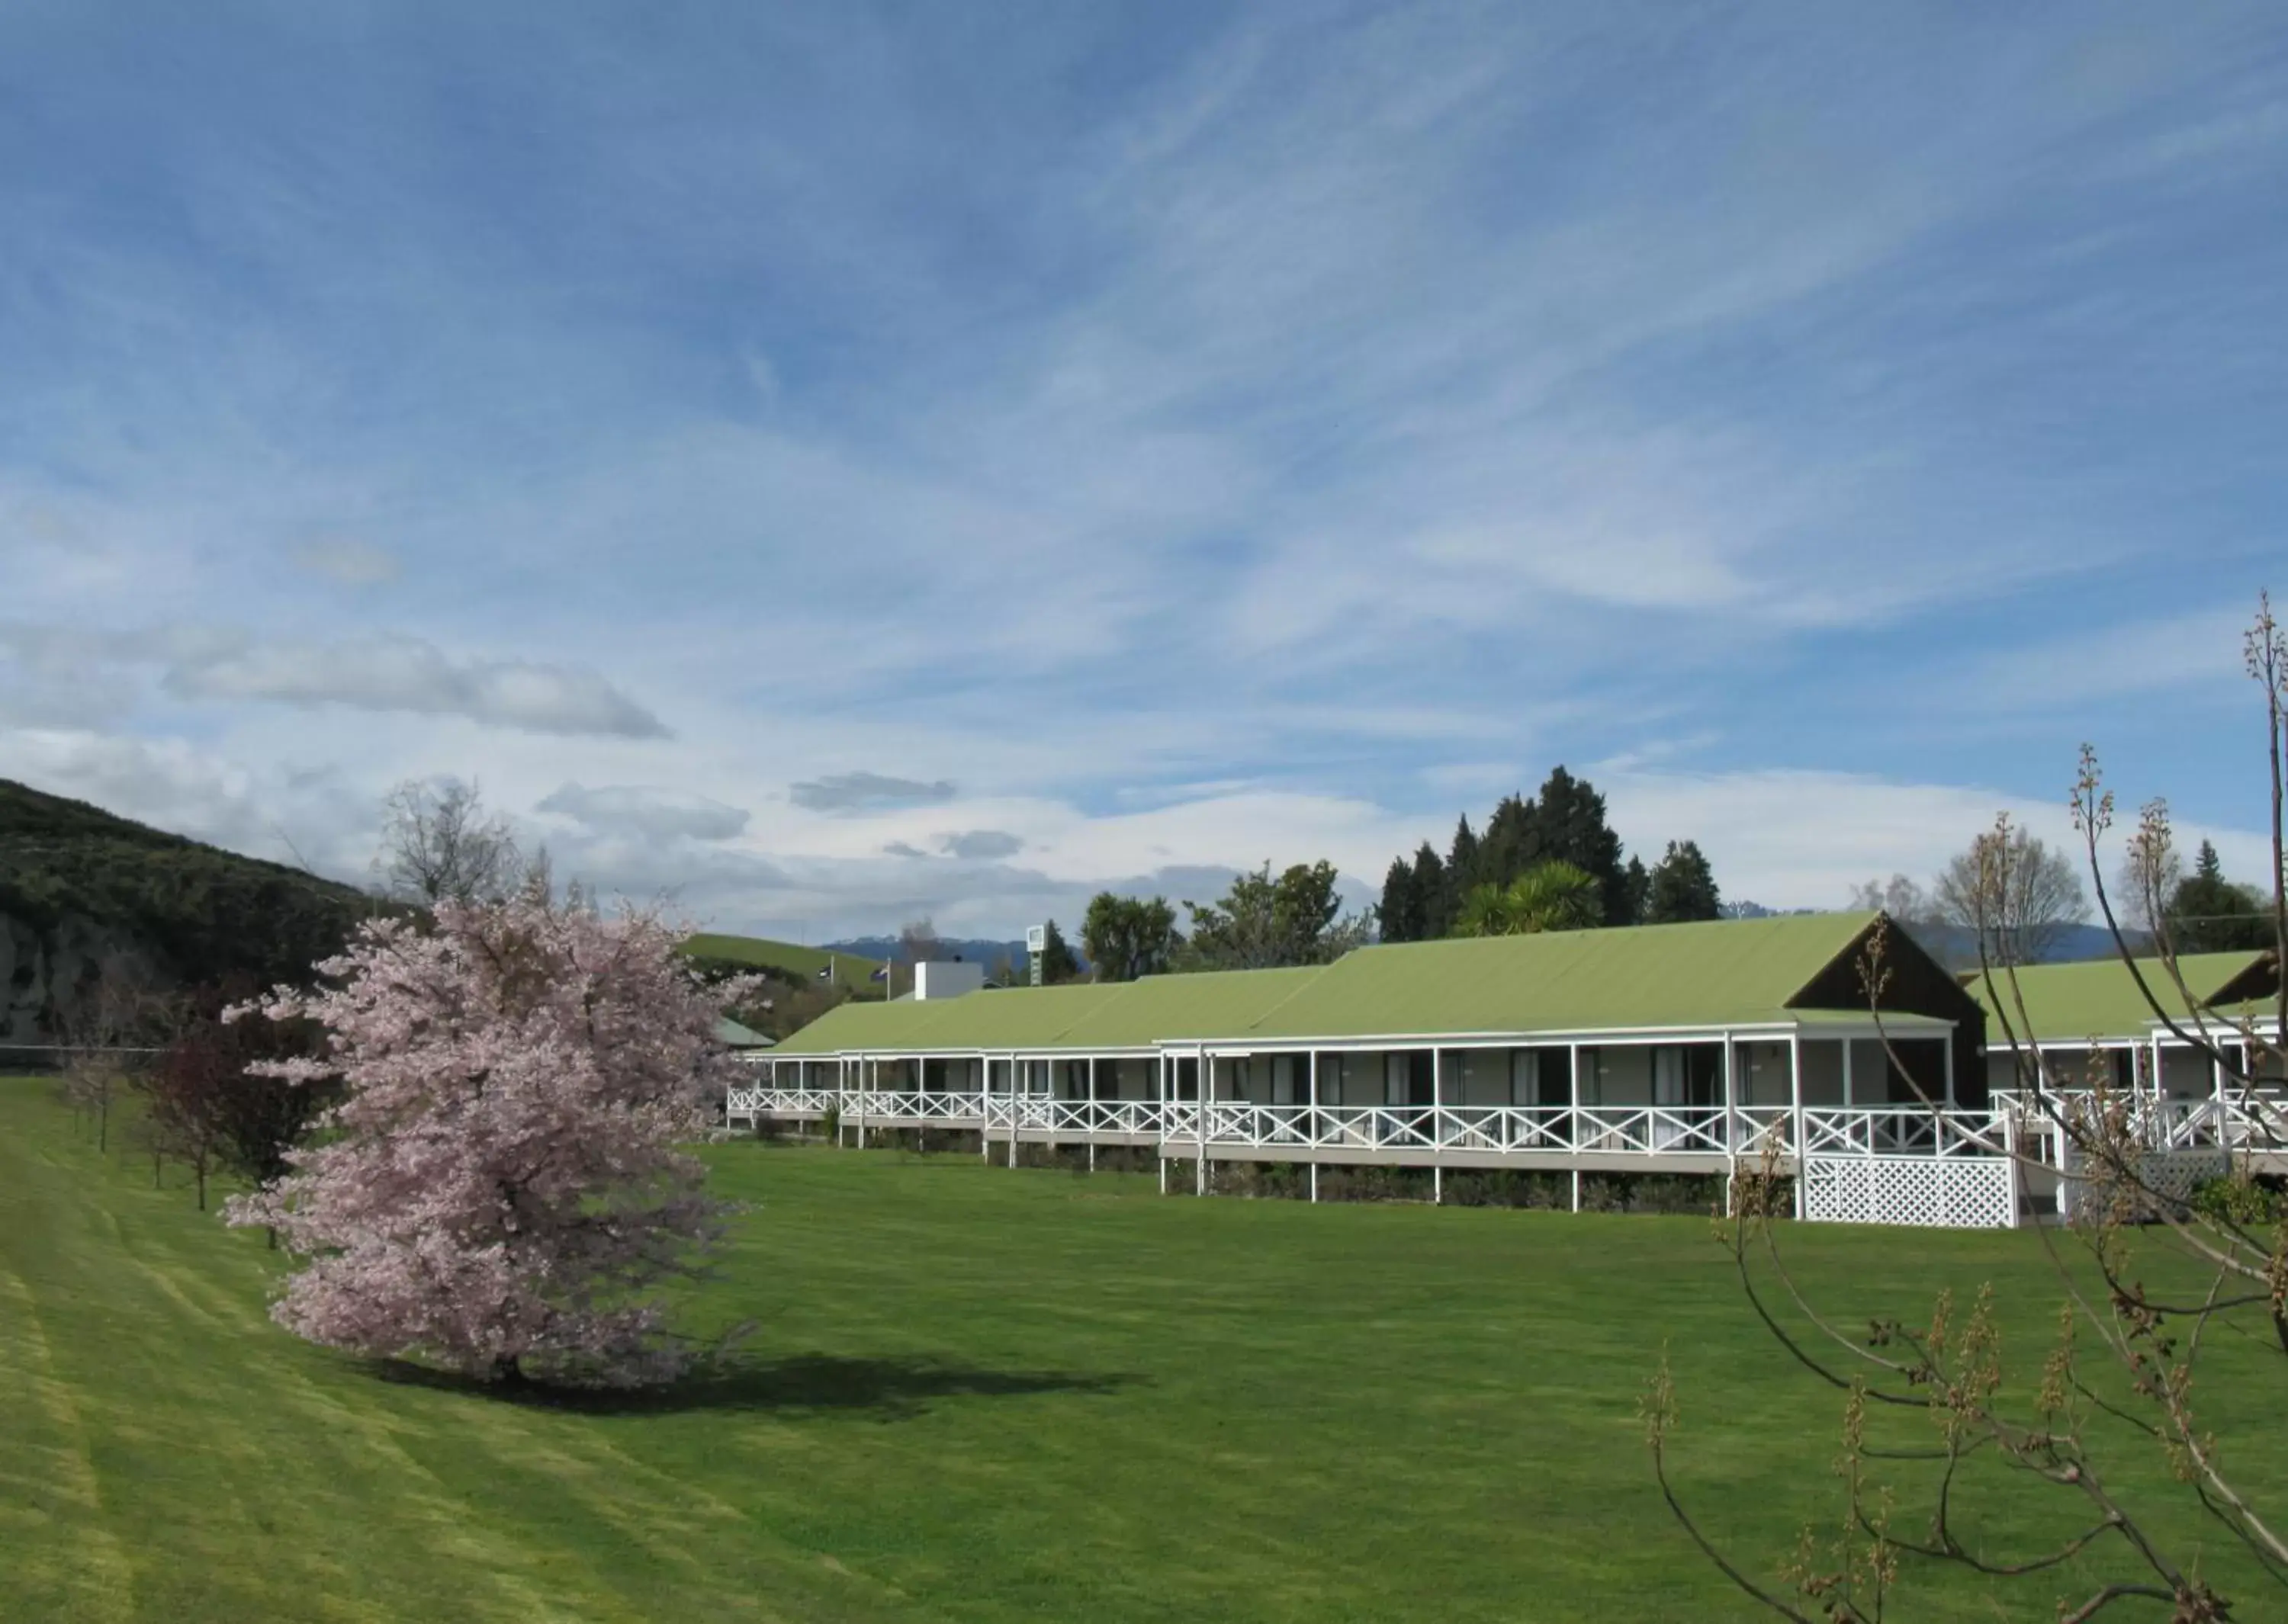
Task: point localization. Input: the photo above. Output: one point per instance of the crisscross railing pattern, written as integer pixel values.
(1736, 1131)
(1904, 1130)
(1740, 1130)
(778, 1102)
(913, 1106)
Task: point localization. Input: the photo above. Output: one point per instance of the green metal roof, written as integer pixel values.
(996, 1018)
(1722, 972)
(1719, 973)
(2072, 1003)
(1219, 1004)
(731, 1034)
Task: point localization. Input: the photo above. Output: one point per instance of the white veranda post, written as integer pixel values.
(1437, 1112)
(1795, 1118)
(1311, 1132)
(1206, 1063)
(1573, 1134)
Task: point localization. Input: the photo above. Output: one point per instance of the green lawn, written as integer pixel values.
(803, 964)
(973, 1394)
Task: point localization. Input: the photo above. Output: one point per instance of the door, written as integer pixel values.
(1421, 1078)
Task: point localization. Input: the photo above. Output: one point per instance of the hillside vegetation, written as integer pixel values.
(783, 960)
(77, 883)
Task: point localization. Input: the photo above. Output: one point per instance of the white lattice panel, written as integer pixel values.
(1930, 1192)
(2170, 1175)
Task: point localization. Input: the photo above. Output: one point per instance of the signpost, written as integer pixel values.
(1036, 944)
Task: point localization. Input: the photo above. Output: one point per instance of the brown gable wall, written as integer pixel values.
(1915, 984)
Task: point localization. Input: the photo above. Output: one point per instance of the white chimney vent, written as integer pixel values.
(946, 978)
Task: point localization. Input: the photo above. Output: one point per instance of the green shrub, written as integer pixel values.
(2238, 1197)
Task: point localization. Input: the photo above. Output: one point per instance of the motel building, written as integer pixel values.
(2094, 1029)
(1691, 1048)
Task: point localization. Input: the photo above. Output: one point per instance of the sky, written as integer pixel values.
(825, 466)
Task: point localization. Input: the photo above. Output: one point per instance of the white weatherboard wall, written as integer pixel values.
(946, 978)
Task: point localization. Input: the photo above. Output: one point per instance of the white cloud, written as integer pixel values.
(1806, 839)
(843, 792)
(2202, 649)
(982, 844)
(403, 674)
(653, 814)
(1362, 405)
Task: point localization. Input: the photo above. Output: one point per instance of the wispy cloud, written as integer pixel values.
(847, 792)
(1251, 438)
(651, 813)
(408, 674)
(982, 844)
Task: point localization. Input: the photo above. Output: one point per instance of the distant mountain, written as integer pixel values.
(1957, 948)
(85, 893)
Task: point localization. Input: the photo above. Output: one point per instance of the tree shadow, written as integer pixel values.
(882, 1389)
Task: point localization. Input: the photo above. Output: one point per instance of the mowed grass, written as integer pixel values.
(804, 963)
(971, 1394)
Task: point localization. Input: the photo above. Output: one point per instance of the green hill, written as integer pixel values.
(784, 960)
(80, 886)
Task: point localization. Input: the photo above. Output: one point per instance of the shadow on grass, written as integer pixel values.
(884, 1389)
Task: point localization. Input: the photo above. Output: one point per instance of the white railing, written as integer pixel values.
(777, 1102)
(1904, 1130)
(2238, 1122)
(1500, 1129)
(907, 1106)
(1129, 1119)
(1740, 1131)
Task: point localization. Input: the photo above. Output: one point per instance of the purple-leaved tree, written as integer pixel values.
(501, 1188)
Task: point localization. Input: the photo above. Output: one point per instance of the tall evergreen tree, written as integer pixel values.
(2209, 913)
(1058, 961)
(1682, 886)
(1462, 870)
(1636, 892)
(1400, 914)
(1566, 824)
(1433, 894)
(1505, 850)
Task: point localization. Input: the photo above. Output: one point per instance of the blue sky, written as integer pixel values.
(839, 463)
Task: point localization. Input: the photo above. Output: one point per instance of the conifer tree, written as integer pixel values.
(1636, 893)
(1399, 915)
(1566, 824)
(1462, 870)
(1433, 895)
(2209, 913)
(1682, 886)
(1058, 962)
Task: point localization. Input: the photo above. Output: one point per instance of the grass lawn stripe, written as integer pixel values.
(977, 1395)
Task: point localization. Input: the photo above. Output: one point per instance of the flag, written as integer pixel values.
(881, 973)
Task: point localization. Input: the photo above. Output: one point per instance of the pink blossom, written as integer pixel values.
(502, 1185)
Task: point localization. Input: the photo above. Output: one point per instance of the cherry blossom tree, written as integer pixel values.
(501, 1188)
